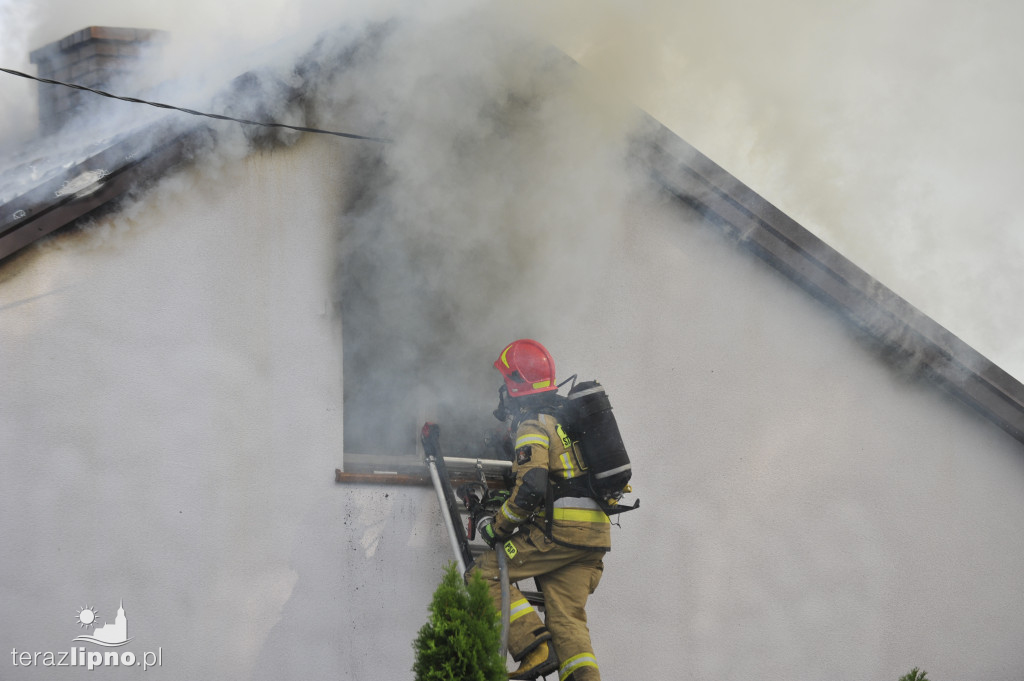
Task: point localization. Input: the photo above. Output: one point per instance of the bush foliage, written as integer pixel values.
(462, 637)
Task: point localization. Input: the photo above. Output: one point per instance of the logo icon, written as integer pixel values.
(111, 634)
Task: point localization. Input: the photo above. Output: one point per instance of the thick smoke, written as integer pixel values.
(889, 129)
(18, 113)
(485, 220)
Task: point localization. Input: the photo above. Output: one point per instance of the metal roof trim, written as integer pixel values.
(904, 336)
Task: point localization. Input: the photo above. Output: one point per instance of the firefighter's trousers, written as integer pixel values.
(566, 577)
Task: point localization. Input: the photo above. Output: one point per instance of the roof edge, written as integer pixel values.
(903, 335)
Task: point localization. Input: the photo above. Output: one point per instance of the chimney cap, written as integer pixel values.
(97, 33)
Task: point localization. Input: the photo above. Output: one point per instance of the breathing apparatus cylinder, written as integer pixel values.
(600, 443)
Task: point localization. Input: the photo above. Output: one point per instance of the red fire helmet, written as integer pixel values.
(527, 367)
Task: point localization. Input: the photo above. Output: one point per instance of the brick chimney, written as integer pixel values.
(94, 57)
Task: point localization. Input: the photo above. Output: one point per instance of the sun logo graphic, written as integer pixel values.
(111, 634)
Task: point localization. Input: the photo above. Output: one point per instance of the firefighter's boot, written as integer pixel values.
(540, 661)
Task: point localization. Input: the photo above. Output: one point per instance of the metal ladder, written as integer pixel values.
(453, 511)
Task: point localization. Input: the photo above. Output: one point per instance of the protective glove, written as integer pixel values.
(497, 497)
(489, 532)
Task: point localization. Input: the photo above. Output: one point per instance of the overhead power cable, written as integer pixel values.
(192, 112)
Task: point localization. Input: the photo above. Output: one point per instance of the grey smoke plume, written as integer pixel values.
(889, 129)
(18, 113)
(484, 221)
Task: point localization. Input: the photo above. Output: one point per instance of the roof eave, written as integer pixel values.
(127, 164)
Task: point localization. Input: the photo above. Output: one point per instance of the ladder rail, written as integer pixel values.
(451, 510)
(442, 486)
(449, 524)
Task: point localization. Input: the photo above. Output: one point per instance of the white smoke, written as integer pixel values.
(492, 209)
(486, 219)
(889, 129)
(18, 97)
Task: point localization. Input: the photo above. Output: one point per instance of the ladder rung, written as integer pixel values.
(535, 598)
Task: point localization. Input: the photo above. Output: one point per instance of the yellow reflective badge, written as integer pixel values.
(566, 442)
(510, 549)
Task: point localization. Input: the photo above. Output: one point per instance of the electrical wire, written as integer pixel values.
(192, 112)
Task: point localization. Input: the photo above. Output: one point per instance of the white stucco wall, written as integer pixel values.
(171, 420)
(808, 513)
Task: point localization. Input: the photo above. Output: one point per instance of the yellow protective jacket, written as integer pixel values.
(545, 456)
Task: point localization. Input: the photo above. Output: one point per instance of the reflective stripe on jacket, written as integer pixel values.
(540, 443)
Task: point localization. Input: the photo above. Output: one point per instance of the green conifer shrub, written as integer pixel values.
(914, 675)
(462, 637)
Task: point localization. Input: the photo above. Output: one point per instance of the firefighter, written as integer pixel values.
(550, 528)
